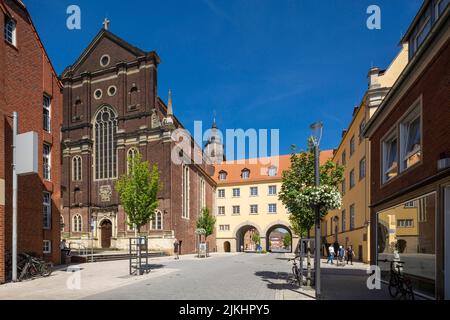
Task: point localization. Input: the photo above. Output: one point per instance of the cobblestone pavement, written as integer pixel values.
(221, 276)
(226, 277)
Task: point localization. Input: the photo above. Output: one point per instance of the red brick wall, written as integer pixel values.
(433, 84)
(27, 75)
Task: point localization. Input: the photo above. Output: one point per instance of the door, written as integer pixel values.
(227, 246)
(447, 240)
(106, 233)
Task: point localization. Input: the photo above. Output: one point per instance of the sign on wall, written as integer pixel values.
(27, 153)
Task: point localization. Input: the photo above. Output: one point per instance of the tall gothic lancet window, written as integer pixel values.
(105, 127)
(132, 152)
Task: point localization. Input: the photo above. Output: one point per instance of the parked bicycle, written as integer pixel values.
(296, 271)
(399, 284)
(30, 267)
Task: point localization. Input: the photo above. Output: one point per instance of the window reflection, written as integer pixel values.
(407, 233)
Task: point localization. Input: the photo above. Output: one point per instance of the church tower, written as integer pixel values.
(214, 147)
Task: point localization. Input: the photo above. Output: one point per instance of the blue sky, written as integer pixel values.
(271, 64)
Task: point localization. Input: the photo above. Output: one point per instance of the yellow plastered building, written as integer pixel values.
(246, 199)
(350, 225)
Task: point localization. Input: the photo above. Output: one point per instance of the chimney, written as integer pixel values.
(373, 78)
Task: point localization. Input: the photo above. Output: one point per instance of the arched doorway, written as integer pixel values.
(227, 246)
(279, 239)
(106, 233)
(245, 239)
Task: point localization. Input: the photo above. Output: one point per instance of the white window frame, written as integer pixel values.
(272, 172)
(157, 221)
(221, 193)
(221, 210)
(269, 188)
(270, 208)
(77, 223)
(10, 31)
(47, 108)
(236, 192)
(245, 174)
(238, 211)
(47, 244)
(47, 162)
(223, 175)
(414, 113)
(251, 191)
(47, 210)
(253, 206)
(385, 144)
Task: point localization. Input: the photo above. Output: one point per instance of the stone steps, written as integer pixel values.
(99, 257)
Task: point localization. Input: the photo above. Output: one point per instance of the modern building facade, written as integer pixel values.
(247, 202)
(350, 226)
(30, 87)
(410, 156)
(112, 111)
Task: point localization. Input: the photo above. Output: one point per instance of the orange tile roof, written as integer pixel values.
(258, 168)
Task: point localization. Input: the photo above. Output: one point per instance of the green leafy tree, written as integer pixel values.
(138, 191)
(287, 240)
(206, 221)
(256, 238)
(299, 183)
(300, 195)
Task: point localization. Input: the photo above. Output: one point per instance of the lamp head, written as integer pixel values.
(316, 133)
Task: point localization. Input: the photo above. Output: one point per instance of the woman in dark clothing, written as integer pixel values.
(350, 254)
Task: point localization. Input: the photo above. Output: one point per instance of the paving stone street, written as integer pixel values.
(221, 276)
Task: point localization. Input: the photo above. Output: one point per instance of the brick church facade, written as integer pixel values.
(111, 111)
(30, 87)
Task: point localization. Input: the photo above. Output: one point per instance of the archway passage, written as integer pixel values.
(245, 239)
(279, 239)
(106, 233)
(227, 246)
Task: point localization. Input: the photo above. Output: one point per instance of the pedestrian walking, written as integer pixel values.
(330, 254)
(350, 254)
(176, 249)
(341, 256)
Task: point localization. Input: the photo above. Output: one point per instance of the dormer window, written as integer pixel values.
(245, 174)
(223, 175)
(272, 172)
(10, 31)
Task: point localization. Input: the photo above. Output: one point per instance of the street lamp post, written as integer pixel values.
(316, 135)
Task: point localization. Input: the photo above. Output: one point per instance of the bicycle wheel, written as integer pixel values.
(393, 287)
(407, 291)
(46, 269)
(296, 274)
(24, 272)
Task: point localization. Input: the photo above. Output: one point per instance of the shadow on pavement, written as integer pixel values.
(153, 266)
(285, 281)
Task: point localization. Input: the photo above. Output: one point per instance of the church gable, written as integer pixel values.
(105, 51)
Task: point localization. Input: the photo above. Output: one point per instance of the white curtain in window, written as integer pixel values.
(412, 137)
